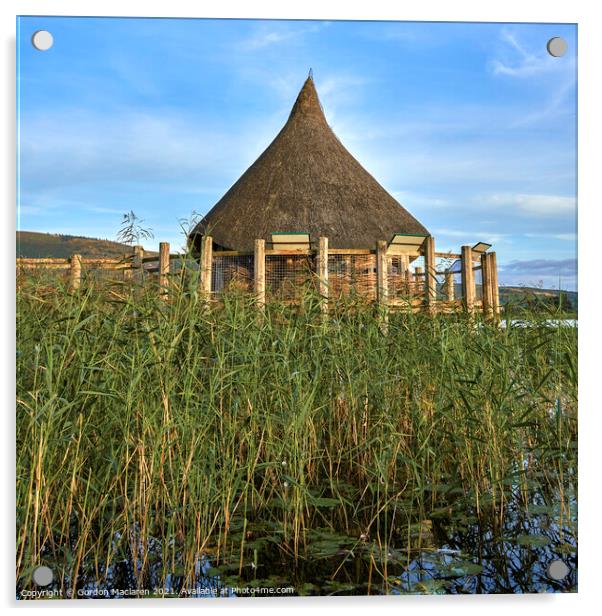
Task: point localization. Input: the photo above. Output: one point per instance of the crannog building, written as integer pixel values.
(318, 214)
(306, 182)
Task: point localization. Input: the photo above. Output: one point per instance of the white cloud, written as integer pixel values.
(67, 149)
(568, 237)
(470, 236)
(412, 199)
(274, 34)
(535, 204)
(526, 63)
(265, 39)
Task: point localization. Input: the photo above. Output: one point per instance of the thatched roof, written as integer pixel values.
(306, 181)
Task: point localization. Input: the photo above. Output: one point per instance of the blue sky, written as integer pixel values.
(472, 127)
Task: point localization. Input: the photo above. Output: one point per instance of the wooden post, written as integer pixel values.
(260, 272)
(408, 281)
(75, 272)
(323, 272)
(468, 289)
(163, 270)
(382, 277)
(494, 283)
(450, 292)
(405, 263)
(206, 265)
(430, 279)
(486, 285)
(418, 281)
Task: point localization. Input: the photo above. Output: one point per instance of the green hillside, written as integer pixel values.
(32, 244)
(533, 298)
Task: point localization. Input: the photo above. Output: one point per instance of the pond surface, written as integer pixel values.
(547, 322)
(451, 553)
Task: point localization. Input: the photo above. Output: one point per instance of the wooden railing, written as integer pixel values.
(377, 276)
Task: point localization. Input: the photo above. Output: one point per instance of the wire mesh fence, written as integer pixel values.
(406, 281)
(399, 277)
(352, 274)
(96, 274)
(232, 273)
(288, 277)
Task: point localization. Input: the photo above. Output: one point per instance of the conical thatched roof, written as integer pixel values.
(306, 181)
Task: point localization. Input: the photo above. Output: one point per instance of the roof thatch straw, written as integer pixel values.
(306, 181)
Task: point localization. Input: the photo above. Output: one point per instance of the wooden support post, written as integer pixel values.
(408, 281)
(323, 272)
(260, 272)
(75, 272)
(405, 263)
(382, 277)
(486, 286)
(418, 281)
(468, 288)
(494, 284)
(163, 270)
(430, 278)
(450, 292)
(206, 266)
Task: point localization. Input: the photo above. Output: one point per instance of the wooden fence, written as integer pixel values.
(427, 280)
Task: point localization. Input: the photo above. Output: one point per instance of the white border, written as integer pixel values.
(590, 274)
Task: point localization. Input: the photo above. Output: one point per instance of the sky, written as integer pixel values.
(471, 126)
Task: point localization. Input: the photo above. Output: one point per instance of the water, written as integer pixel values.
(453, 552)
(546, 322)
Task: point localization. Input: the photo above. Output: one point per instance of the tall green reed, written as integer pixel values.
(146, 426)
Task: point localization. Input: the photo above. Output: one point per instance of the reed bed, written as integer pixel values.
(152, 435)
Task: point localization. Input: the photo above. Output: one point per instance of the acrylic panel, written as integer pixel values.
(296, 308)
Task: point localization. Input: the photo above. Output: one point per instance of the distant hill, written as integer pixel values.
(31, 244)
(568, 300)
(532, 297)
(529, 297)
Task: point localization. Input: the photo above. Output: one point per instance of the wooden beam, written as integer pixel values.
(260, 272)
(450, 292)
(322, 263)
(418, 285)
(495, 284)
(382, 277)
(350, 251)
(486, 286)
(448, 255)
(75, 272)
(405, 263)
(59, 266)
(34, 261)
(206, 265)
(468, 287)
(430, 279)
(163, 270)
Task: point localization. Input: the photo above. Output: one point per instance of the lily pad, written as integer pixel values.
(461, 569)
(535, 541)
